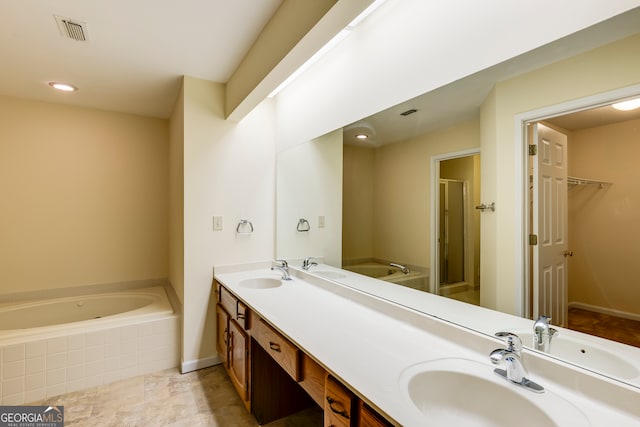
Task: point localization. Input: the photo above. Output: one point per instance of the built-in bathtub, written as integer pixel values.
(414, 279)
(54, 346)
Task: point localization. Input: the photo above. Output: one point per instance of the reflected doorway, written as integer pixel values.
(599, 193)
(456, 249)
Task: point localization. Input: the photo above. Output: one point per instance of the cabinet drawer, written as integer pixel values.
(370, 418)
(236, 309)
(339, 404)
(279, 348)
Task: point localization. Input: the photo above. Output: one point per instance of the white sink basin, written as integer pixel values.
(330, 274)
(462, 392)
(587, 355)
(260, 283)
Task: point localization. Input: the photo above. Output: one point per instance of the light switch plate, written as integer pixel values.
(217, 223)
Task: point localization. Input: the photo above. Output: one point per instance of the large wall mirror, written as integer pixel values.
(409, 190)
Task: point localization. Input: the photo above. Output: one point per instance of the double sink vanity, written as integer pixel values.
(291, 338)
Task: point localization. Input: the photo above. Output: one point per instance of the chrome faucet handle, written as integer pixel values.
(544, 318)
(403, 268)
(307, 263)
(283, 270)
(514, 343)
(542, 323)
(282, 263)
(515, 371)
(543, 333)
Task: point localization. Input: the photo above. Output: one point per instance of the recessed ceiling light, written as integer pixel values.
(362, 136)
(632, 104)
(65, 87)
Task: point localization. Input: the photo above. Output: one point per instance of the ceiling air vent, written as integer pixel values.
(72, 29)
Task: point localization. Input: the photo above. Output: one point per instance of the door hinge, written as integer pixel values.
(533, 150)
(533, 239)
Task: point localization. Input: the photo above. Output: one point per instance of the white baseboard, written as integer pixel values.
(194, 365)
(604, 310)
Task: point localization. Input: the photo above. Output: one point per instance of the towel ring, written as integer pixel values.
(303, 225)
(244, 222)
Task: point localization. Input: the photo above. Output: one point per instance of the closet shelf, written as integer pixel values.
(572, 180)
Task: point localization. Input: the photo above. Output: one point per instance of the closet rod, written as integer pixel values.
(583, 181)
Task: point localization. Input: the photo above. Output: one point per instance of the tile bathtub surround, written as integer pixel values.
(200, 398)
(49, 367)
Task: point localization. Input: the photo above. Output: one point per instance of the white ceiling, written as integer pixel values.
(136, 50)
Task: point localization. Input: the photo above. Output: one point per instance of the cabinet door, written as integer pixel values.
(222, 334)
(239, 359)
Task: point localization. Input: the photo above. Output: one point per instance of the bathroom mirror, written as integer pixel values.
(447, 121)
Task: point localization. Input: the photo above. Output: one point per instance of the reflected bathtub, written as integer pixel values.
(59, 345)
(415, 279)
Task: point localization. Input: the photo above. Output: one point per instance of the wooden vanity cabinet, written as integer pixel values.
(369, 418)
(233, 341)
(313, 378)
(239, 360)
(282, 372)
(279, 348)
(222, 334)
(236, 308)
(343, 409)
(339, 404)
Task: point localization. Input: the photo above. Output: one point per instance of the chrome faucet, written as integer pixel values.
(283, 266)
(542, 333)
(402, 268)
(511, 358)
(307, 263)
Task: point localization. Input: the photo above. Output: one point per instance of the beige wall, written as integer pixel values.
(357, 203)
(603, 223)
(401, 192)
(84, 196)
(228, 171)
(176, 197)
(600, 70)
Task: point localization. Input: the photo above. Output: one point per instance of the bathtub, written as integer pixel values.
(415, 279)
(50, 347)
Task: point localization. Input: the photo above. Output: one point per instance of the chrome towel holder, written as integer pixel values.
(303, 225)
(243, 224)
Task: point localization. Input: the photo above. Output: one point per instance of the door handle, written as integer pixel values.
(568, 253)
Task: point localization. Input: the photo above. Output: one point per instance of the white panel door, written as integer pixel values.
(550, 224)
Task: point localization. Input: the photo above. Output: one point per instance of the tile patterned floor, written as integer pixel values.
(168, 398)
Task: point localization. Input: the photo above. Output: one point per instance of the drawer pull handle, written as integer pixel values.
(239, 311)
(274, 346)
(342, 412)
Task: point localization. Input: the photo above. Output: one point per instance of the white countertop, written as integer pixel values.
(491, 321)
(367, 343)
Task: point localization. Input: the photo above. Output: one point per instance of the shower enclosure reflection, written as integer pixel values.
(451, 240)
(458, 224)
